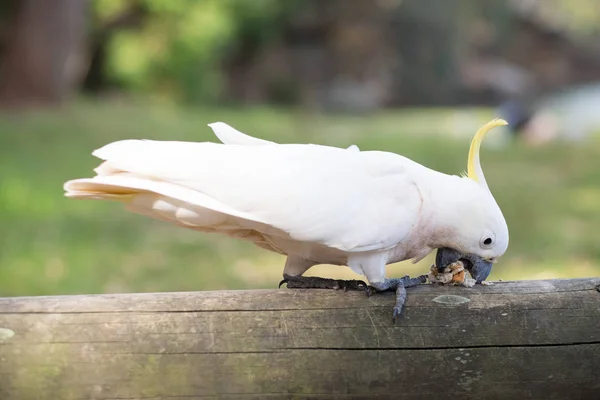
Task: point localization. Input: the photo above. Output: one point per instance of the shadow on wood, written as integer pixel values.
(513, 340)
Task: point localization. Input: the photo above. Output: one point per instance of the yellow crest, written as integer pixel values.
(473, 163)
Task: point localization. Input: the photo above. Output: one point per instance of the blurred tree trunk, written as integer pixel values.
(44, 53)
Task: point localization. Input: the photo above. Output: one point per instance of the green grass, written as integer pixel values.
(53, 245)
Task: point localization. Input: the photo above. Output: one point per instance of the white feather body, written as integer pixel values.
(316, 204)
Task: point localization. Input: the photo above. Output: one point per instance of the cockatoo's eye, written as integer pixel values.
(487, 240)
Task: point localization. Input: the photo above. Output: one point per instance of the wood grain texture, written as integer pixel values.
(513, 340)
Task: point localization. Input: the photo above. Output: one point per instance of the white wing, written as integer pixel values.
(230, 135)
(352, 201)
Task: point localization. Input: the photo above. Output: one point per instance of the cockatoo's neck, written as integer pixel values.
(446, 199)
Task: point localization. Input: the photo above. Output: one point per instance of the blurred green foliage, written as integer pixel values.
(53, 245)
(175, 48)
(179, 47)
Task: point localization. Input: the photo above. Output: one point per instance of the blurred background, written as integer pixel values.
(417, 77)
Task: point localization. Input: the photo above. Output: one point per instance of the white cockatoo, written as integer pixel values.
(315, 204)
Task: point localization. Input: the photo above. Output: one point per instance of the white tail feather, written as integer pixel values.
(171, 203)
(125, 186)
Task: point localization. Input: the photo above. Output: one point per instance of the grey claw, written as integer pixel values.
(395, 314)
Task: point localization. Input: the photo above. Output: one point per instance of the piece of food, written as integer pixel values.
(454, 274)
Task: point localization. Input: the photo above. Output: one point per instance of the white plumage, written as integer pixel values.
(316, 204)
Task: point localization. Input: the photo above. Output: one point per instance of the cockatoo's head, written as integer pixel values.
(481, 234)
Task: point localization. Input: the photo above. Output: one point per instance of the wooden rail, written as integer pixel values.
(513, 340)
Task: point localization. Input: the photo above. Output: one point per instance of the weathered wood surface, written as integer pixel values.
(513, 340)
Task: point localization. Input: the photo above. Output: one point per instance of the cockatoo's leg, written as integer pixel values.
(399, 285)
(296, 265)
(292, 275)
(372, 265)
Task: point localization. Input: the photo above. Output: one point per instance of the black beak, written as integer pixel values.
(446, 256)
(478, 267)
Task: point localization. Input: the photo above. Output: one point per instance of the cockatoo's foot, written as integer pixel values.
(399, 285)
(313, 282)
